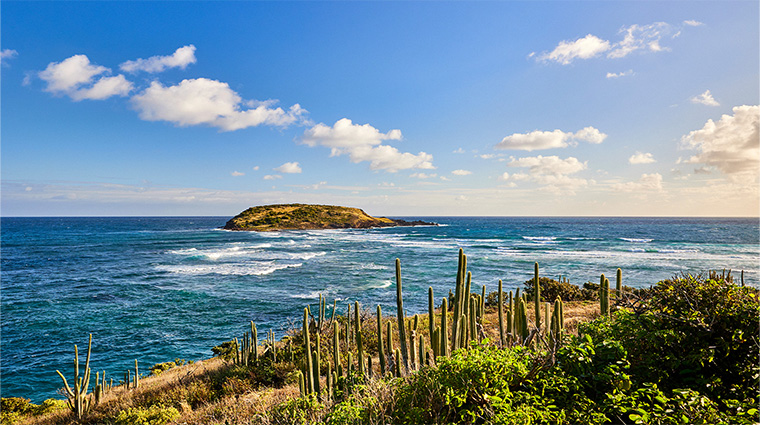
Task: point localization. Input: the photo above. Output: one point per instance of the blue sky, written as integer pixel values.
(401, 108)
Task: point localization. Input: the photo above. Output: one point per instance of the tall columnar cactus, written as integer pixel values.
(301, 383)
(137, 375)
(380, 345)
(77, 398)
(309, 374)
(398, 363)
(604, 296)
(502, 337)
(618, 284)
(422, 350)
(431, 313)
(321, 310)
(254, 343)
(537, 297)
(555, 332)
(400, 313)
(316, 365)
(336, 348)
(458, 295)
(444, 332)
(359, 338)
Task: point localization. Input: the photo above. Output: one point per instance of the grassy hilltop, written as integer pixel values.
(306, 216)
(684, 351)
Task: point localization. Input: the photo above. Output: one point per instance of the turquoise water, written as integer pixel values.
(156, 289)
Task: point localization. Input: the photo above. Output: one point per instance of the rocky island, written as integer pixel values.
(305, 216)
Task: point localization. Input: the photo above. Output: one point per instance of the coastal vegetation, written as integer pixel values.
(306, 216)
(683, 351)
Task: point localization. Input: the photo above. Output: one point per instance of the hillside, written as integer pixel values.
(306, 216)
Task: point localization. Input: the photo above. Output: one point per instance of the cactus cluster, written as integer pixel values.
(247, 353)
(77, 398)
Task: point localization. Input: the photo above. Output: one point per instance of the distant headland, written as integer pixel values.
(306, 216)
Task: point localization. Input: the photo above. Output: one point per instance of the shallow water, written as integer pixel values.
(160, 288)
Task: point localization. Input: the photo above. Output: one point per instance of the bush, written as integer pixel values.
(13, 409)
(226, 350)
(302, 410)
(551, 289)
(157, 368)
(153, 415)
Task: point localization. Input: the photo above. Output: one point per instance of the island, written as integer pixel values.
(307, 216)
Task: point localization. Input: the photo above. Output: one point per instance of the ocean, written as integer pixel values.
(160, 288)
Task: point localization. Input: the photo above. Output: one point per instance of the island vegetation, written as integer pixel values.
(307, 216)
(683, 351)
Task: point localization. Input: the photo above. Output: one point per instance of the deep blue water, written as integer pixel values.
(158, 288)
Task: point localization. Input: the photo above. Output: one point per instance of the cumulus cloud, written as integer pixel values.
(236, 174)
(730, 145)
(289, 168)
(203, 101)
(364, 143)
(6, 54)
(461, 172)
(646, 38)
(181, 58)
(552, 172)
(538, 140)
(582, 48)
(272, 177)
(647, 182)
(693, 23)
(423, 175)
(641, 158)
(705, 98)
(620, 74)
(75, 77)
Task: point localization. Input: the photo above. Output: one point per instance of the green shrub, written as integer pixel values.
(692, 333)
(226, 350)
(157, 368)
(153, 415)
(13, 409)
(551, 289)
(302, 410)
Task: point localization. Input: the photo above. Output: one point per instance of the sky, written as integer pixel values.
(542, 108)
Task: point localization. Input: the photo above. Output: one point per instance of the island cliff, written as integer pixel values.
(305, 216)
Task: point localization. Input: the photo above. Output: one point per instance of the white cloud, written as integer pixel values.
(538, 140)
(6, 54)
(640, 37)
(647, 182)
(635, 38)
(256, 168)
(203, 101)
(181, 58)
(620, 74)
(730, 145)
(461, 172)
(272, 177)
(458, 150)
(236, 174)
(104, 88)
(423, 176)
(705, 98)
(364, 143)
(289, 168)
(641, 158)
(74, 77)
(693, 23)
(583, 48)
(551, 172)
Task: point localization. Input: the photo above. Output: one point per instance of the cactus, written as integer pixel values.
(137, 376)
(444, 332)
(500, 306)
(308, 375)
(458, 301)
(329, 382)
(380, 346)
(359, 338)
(254, 343)
(77, 398)
(422, 351)
(618, 285)
(400, 313)
(301, 383)
(398, 363)
(336, 346)
(431, 312)
(537, 297)
(604, 296)
(316, 366)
